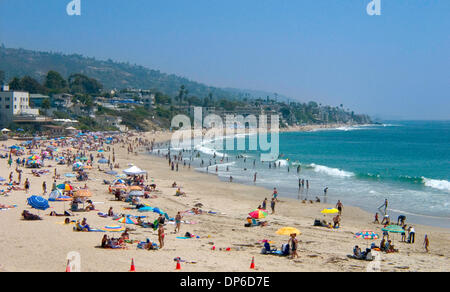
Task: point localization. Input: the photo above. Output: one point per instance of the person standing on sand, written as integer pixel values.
(272, 205)
(264, 204)
(275, 194)
(178, 222)
(27, 186)
(426, 243)
(339, 206)
(294, 243)
(44, 187)
(161, 236)
(254, 177)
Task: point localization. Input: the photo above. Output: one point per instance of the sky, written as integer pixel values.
(392, 66)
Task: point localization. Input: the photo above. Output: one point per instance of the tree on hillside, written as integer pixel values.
(14, 84)
(81, 84)
(54, 82)
(31, 85)
(2, 77)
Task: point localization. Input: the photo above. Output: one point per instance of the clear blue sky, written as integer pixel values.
(395, 65)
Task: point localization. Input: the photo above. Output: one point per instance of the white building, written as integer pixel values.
(149, 101)
(14, 103)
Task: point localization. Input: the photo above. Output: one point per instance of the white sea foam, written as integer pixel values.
(331, 171)
(282, 162)
(442, 185)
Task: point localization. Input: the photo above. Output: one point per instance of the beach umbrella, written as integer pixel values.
(126, 220)
(330, 211)
(69, 175)
(103, 161)
(136, 194)
(393, 229)
(367, 234)
(258, 214)
(118, 181)
(135, 188)
(101, 151)
(65, 187)
(82, 194)
(2, 179)
(288, 231)
(146, 209)
(54, 195)
(113, 228)
(111, 172)
(38, 202)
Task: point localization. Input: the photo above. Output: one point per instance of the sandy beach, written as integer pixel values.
(44, 245)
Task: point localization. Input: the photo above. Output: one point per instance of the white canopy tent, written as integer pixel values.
(134, 170)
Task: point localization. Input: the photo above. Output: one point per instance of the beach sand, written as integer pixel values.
(44, 245)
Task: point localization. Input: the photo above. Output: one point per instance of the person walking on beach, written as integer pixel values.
(426, 243)
(27, 186)
(178, 222)
(275, 194)
(272, 205)
(254, 177)
(161, 236)
(339, 206)
(44, 187)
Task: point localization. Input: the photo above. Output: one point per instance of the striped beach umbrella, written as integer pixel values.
(38, 202)
(65, 187)
(126, 220)
(113, 228)
(258, 214)
(367, 234)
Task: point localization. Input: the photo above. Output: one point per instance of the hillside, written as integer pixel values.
(21, 62)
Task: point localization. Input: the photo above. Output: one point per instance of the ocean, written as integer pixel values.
(406, 162)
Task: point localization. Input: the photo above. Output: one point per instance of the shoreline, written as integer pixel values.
(416, 219)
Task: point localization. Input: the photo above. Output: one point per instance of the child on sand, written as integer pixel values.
(426, 243)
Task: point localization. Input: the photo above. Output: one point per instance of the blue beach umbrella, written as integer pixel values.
(38, 202)
(103, 161)
(146, 209)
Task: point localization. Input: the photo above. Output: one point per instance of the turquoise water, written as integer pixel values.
(407, 163)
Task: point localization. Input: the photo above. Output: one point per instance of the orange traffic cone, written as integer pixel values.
(178, 265)
(252, 265)
(132, 269)
(68, 267)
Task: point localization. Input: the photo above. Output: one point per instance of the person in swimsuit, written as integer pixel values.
(161, 236)
(293, 242)
(339, 206)
(177, 222)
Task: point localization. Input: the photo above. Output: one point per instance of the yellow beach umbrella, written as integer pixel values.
(330, 211)
(288, 231)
